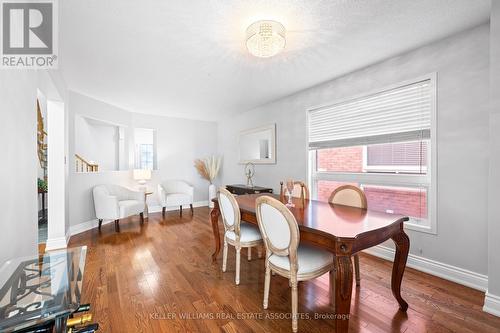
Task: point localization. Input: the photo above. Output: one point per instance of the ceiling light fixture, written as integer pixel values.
(265, 38)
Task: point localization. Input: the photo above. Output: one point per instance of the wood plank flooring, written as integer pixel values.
(159, 278)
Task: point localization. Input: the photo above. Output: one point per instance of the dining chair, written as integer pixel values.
(300, 190)
(353, 196)
(236, 233)
(285, 255)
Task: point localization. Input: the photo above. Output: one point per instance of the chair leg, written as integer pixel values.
(141, 215)
(163, 211)
(356, 269)
(180, 211)
(117, 225)
(238, 250)
(192, 210)
(332, 288)
(100, 224)
(224, 257)
(267, 284)
(295, 305)
(249, 253)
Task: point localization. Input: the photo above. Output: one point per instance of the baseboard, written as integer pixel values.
(82, 227)
(492, 304)
(445, 271)
(158, 209)
(57, 243)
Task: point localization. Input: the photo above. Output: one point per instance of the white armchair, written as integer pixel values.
(175, 193)
(114, 202)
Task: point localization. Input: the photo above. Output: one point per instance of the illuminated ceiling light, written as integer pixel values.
(265, 38)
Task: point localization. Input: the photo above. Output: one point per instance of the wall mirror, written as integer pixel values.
(258, 145)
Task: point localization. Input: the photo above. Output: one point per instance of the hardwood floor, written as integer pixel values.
(159, 277)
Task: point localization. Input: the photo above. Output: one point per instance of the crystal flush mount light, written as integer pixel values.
(265, 38)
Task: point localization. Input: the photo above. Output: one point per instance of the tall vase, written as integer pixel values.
(212, 192)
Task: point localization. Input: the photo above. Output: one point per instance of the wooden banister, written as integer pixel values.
(82, 165)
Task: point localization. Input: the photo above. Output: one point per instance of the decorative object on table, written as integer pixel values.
(249, 173)
(240, 189)
(208, 168)
(142, 176)
(173, 193)
(115, 202)
(300, 190)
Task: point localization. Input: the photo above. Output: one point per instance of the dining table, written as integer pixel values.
(342, 230)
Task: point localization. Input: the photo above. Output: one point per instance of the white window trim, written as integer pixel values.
(428, 181)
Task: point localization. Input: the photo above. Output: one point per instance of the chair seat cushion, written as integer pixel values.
(177, 199)
(248, 233)
(309, 259)
(130, 207)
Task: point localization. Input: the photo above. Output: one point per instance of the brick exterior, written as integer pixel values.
(410, 202)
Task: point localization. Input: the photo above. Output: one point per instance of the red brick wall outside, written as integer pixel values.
(349, 159)
(410, 202)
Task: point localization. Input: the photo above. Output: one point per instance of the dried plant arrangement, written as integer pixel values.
(209, 167)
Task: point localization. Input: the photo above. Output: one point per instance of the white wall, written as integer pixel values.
(97, 142)
(18, 197)
(462, 66)
(492, 303)
(179, 142)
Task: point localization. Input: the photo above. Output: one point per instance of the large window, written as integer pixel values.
(383, 143)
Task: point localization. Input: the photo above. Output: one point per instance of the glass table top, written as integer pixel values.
(35, 290)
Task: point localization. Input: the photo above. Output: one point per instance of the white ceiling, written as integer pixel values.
(188, 58)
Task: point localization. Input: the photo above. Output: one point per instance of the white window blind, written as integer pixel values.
(395, 115)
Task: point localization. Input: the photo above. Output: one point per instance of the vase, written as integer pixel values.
(212, 192)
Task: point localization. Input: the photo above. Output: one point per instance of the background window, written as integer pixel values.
(145, 148)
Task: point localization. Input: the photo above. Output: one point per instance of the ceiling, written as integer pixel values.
(188, 58)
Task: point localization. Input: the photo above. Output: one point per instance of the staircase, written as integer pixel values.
(41, 135)
(82, 165)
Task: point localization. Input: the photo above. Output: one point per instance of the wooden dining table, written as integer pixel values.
(342, 230)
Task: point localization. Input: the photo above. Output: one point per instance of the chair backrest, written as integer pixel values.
(349, 195)
(279, 229)
(120, 192)
(230, 211)
(176, 186)
(300, 189)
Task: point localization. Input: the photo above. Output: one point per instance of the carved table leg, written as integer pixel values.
(343, 292)
(214, 216)
(402, 247)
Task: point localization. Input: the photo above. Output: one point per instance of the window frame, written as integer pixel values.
(427, 181)
(137, 148)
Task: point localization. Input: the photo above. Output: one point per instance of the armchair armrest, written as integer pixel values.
(162, 195)
(106, 206)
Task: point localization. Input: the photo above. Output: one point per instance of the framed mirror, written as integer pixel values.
(258, 145)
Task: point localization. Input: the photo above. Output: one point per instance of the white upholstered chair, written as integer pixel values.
(175, 193)
(236, 233)
(350, 195)
(115, 202)
(285, 256)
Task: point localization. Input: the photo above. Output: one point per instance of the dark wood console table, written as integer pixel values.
(243, 189)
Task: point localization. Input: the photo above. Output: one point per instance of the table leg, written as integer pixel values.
(214, 216)
(343, 292)
(402, 242)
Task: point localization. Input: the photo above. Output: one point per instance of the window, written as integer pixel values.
(145, 148)
(383, 143)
